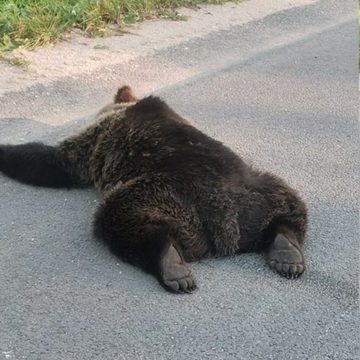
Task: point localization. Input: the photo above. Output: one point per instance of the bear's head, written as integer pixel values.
(125, 94)
(124, 98)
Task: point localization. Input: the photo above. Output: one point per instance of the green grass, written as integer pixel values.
(34, 23)
(15, 61)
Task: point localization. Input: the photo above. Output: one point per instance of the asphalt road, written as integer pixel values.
(283, 93)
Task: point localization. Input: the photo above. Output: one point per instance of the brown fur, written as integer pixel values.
(172, 194)
(125, 95)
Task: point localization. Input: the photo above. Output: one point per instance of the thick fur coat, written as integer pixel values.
(169, 192)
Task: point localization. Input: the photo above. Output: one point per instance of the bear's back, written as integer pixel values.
(153, 138)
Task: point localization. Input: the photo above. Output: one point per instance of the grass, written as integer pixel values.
(15, 61)
(33, 23)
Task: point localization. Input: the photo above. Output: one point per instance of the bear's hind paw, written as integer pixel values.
(285, 258)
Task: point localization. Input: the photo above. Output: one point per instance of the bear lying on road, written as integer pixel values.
(170, 194)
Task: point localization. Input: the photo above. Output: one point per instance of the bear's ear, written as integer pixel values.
(125, 95)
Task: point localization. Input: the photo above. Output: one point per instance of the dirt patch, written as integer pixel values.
(81, 55)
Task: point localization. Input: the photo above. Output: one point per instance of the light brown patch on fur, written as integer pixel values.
(111, 109)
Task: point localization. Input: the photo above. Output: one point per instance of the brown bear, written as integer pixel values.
(170, 193)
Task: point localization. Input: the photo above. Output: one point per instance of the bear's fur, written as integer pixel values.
(170, 193)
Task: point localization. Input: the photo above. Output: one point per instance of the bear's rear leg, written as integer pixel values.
(174, 274)
(285, 252)
(135, 228)
(285, 255)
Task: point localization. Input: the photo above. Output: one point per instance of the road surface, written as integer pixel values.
(283, 93)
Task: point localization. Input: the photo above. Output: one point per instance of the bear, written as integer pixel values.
(170, 194)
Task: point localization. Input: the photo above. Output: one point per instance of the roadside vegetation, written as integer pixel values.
(34, 23)
(15, 61)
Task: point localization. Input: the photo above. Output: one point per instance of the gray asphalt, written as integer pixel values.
(290, 107)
